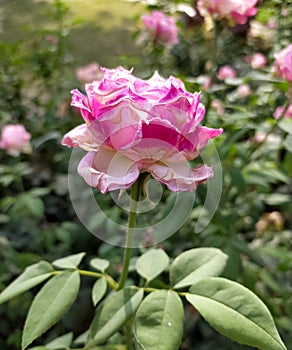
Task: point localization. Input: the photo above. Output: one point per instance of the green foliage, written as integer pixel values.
(235, 312)
(152, 263)
(31, 277)
(70, 262)
(98, 290)
(99, 264)
(50, 304)
(196, 264)
(159, 321)
(116, 310)
(62, 342)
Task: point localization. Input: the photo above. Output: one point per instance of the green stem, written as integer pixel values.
(135, 192)
(110, 281)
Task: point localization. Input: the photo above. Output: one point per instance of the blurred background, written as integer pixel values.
(50, 47)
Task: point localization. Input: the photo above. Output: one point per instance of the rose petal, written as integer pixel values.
(80, 137)
(180, 177)
(81, 102)
(200, 137)
(120, 128)
(108, 170)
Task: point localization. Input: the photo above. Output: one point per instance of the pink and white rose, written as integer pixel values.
(281, 113)
(161, 27)
(133, 126)
(243, 91)
(218, 106)
(226, 72)
(15, 139)
(283, 63)
(258, 60)
(235, 11)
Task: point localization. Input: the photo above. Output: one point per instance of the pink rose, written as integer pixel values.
(243, 90)
(226, 72)
(218, 105)
(280, 110)
(283, 63)
(89, 73)
(258, 60)
(272, 25)
(15, 139)
(236, 11)
(161, 27)
(207, 83)
(133, 126)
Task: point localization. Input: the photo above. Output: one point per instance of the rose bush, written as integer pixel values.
(235, 11)
(133, 125)
(161, 27)
(15, 139)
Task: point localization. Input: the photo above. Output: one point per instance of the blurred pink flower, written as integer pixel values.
(258, 60)
(134, 125)
(280, 110)
(52, 39)
(243, 90)
(218, 105)
(283, 63)
(161, 27)
(15, 139)
(207, 83)
(89, 73)
(272, 141)
(226, 72)
(272, 24)
(284, 12)
(236, 11)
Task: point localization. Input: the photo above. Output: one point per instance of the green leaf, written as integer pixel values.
(272, 175)
(99, 264)
(288, 143)
(35, 205)
(110, 347)
(195, 264)
(286, 125)
(98, 290)
(32, 276)
(116, 310)
(40, 191)
(237, 179)
(235, 312)
(152, 263)
(81, 339)
(50, 304)
(158, 322)
(259, 76)
(69, 262)
(277, 198)
(62, 342)
(287, 163)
